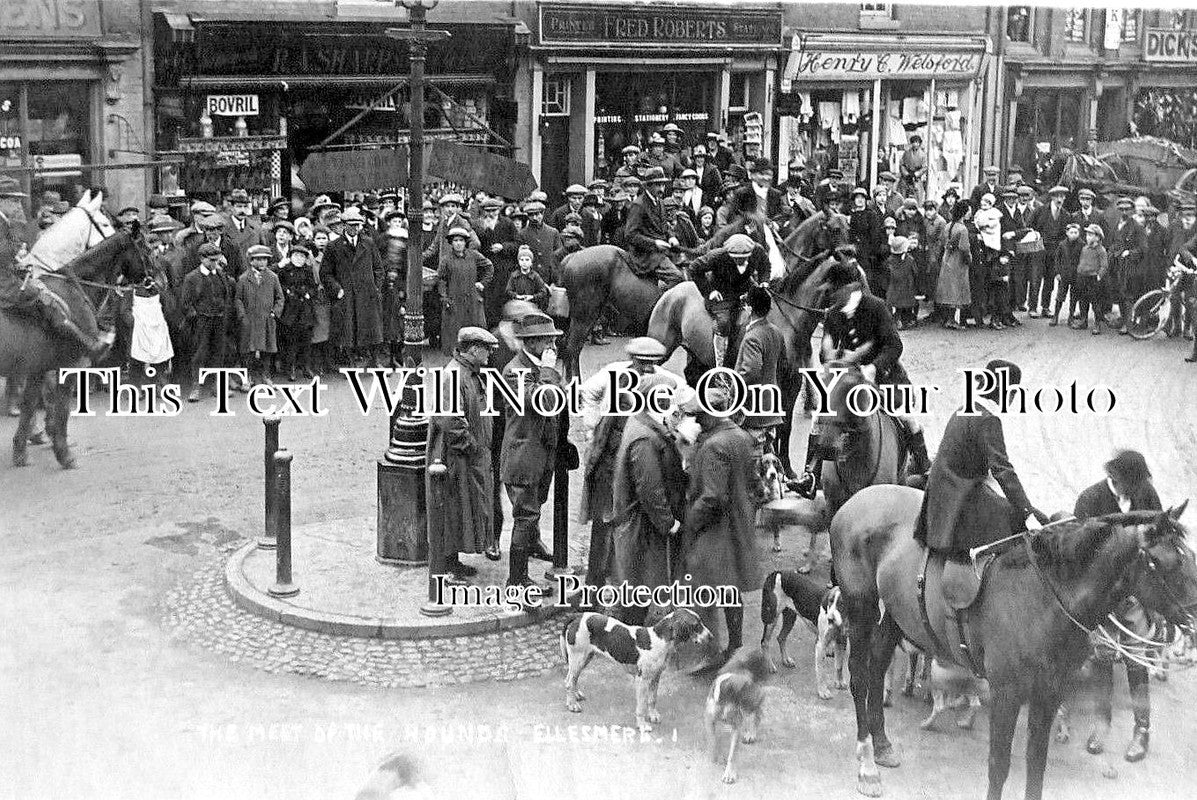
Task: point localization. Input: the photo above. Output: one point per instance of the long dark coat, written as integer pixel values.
(458, 277)
(758, 362)
(650, 495)
(359, 272)
(960, 510)
(495, 296)
(460, 501)
(529, 439)
(299, 292)
(720, 527)
(258, 306)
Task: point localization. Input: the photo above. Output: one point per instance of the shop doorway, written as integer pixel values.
(1047, 121)
(554, 155)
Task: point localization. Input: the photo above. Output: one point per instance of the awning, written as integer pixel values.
(316, 81)
(842, 59)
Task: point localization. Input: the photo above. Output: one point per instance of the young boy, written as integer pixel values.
(527, 283)
(1091, 271)
(1068, 256)
(259, 304)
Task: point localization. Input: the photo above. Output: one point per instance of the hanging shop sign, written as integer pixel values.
(57, 19)
(478, 169)
(1168, 45)
(355, 170)
(233, 105)
(832, 65)
(231, 144)
(679, 26)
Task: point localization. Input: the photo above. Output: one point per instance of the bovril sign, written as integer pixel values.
(233, 105)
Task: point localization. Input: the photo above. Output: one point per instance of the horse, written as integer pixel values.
(28, 351)
(1041, 598)
(869, 449)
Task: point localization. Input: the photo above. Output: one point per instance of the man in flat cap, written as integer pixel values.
(460, 498)
(191, 236)
(243, 230)
(603, 433)
(497, 241)
(1126, 243)
(988, 185)
(544, 240)
(354, 272)
(574, 195)
(213, 226)
(207, 300)
(1050, 221)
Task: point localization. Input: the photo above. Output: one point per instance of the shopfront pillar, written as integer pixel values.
(588, 130)
(875, 138)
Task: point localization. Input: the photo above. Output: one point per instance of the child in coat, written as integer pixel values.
(1068, 257)
(299, 311)
(900, 292)
(526, 283)
(259, 303)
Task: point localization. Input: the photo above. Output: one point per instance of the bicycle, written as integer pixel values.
(1163, 309)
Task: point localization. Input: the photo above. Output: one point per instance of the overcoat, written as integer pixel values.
(259, 304)
(529, 439)
(960, 507)
(720, 525)
(299, 293)
(504, 234)
(458, 277)
(901, 291)
(760, 356)
(952, 285)
(650, 495)
(461, 500)
(1098, 500)
(359, 272)
(545, 241)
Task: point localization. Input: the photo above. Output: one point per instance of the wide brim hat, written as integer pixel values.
(688, 173)
(656, 138)
(534, 325)
(632, 180)
(322, 202)
(654, 175)
(860, 191)
(388, 195)
(353, 214)
(671, 127)
(277, 202)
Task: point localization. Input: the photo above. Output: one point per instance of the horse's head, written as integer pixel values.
(82, 227)
(1168, 582)
(840, 430)
(99, 227)
(124, 254)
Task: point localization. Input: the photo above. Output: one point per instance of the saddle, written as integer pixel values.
(948, 589)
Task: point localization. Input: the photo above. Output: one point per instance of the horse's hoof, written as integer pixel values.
(869, 785)
(887, 758)
(776, 547)
(38, 438)
(65, 459)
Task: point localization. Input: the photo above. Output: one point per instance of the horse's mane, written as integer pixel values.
(1069, 547)
(86, 263)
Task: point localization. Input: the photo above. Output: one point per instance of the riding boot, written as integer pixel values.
(62, 324)
(920, 462)
(808, 484)
(1192, 357)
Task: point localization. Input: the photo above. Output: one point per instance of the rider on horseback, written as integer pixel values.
(647, 237)
(724, 276)
(22, 289)
(960, 509)
(860, 329)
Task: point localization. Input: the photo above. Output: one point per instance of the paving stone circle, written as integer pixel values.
(199, 612)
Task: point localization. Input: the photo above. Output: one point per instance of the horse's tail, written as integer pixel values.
(664, 324)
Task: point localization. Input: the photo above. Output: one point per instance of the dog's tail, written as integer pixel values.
(564, 644)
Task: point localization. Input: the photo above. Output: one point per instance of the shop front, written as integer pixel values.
(246, 103)
(606, 76)
(872, 103)
(69, 109)
(1165, 91)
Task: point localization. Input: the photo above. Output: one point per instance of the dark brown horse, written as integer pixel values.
(29, 353)
(869, 449)
(1041, 599)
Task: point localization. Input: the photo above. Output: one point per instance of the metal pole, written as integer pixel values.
(267, 540)
(283, 587)
(560, 503)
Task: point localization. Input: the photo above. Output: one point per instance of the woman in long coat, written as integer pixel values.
(460, 501)
(650, 498)
(462, 276)
(720, 526)
(952, 290)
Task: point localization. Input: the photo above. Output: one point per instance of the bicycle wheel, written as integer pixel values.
(1148, 314)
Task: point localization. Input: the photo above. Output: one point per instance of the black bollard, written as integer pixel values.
(283, 587)
(267, 541)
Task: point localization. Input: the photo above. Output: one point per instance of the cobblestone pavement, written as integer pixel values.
(200, 613)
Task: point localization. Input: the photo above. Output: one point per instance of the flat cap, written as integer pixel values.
(60, 207)
(492, 204)
(1057, 189)
(1126, 202)
(838, 174)
(689, 173)
(279, 201)
(472, 334)
(1009, 190)
(533, 207)
(458, 232)
(575, 188)
(887, 176)
(1095, 228)
(300, 247)
(654, 175)
(573, 231)
(353, 214)
(860, 191)
(598, 183)
(200, 208)
(645, 348)
(1014, 168)
(285, 225)
(208, 249)
(451, 197)
(1087, 192)
(539, 196)
(211, 222)
(388, 194)
(631, 148)
(740, 244)
(1025, 190)
(259, 251)
(238, 196)
(160, 223)
(992, 170)
(632, 180)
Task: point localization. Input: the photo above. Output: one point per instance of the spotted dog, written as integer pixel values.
(735, 702)
(777, 508)
(788, 595)
(953, 687)
(640, 650)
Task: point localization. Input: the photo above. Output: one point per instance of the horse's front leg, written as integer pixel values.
(1040, 716)
(1002, 719)
(57, 414)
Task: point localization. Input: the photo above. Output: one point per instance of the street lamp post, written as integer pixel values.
(402, 520)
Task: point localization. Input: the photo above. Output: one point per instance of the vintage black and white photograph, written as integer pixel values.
(522, 399)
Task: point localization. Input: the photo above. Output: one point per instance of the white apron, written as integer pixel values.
(150, 343)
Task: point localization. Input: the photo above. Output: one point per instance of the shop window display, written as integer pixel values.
(1167, 113)
(629, 107)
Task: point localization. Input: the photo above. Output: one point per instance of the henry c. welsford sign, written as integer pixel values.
(679, 26)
